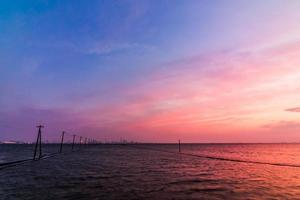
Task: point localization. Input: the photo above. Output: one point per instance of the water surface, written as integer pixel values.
(143, 172)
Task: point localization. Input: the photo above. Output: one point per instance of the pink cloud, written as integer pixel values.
(213, 93)
(297, 109)
(285, 126)
(228, 95)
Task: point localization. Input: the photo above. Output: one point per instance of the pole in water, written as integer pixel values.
(74, 136)
(62, 141)
(179, 146)
(38, 143)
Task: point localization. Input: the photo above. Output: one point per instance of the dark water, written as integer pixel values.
(142, 172)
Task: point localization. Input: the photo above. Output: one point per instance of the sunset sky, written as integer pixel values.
(151, 71)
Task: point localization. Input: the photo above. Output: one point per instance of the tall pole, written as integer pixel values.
(62, 141)
(74, 136)
(38, 143)
(179, 146)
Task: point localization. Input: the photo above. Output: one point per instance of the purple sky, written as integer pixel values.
(202, 71)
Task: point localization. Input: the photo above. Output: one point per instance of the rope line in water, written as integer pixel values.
(222, 159)
(2, 165)
(20, 162)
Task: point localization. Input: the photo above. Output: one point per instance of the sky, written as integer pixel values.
(151, 71)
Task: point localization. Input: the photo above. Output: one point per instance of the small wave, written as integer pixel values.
(191, 181)
(215, 189)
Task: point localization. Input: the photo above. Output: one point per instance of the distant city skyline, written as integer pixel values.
(151, 71)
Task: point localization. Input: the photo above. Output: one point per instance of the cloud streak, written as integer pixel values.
(206, 92)
(296, 109)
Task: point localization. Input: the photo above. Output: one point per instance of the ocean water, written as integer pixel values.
(201, 171)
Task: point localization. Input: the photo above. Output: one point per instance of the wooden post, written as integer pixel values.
(62, 142)
(74, 136)
(179, 146)
(38, 143)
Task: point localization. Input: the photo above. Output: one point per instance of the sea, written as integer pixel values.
(151, 171)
